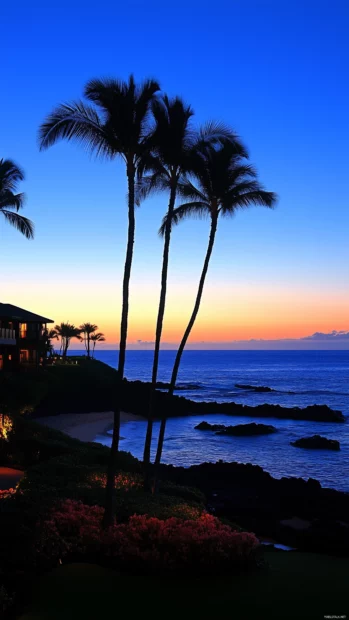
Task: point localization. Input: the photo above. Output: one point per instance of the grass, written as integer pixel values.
(296, 585)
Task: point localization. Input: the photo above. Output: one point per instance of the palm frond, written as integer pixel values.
(10, 174)
(151, 163)
(88, 328)
(125, 108)
(216, 132)
(25, 226)
(186, 189)
(11, 201)
(245, 195)
(150, 185)
(197, 209)
(75, 121)
(98, 337)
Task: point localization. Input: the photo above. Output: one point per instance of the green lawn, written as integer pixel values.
(296, 585)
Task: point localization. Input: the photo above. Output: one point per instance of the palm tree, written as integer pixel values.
(225, 183)
(49, 334)
(87, 329)
(117, 124)
(98, 337)
(175, 143)
(66, 331)
(10, 202)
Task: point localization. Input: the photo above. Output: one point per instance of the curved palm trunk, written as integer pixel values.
(88, 346)
(108, 513)
(159, 324)
(186, 334)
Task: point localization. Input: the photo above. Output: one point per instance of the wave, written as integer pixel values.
(248, 391)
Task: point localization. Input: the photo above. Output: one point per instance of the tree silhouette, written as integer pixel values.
(117, 124)
(176, 143)
(66, 331)
(10, 202)
(87, 329)
(224, 184)
(98, 337)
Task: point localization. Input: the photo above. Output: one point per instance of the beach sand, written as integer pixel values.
(85, 426)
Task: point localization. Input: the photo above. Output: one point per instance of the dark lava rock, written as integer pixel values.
(205, 426)
(135, 393)
(241, 430)
(252, 498)
(255, 388)
(316, 442)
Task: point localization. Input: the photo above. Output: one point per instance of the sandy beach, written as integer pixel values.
(85, 426)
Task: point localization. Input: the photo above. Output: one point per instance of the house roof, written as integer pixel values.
(8, 311)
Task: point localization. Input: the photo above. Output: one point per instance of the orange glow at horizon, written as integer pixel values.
(226, 313)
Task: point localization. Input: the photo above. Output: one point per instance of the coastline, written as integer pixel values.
(85, 426)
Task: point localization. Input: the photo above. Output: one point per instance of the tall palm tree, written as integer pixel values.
(87, 330)
(97, 337)
(117, 124)
(224, 184)
(175, 143)
(10, 202)
(66, 331)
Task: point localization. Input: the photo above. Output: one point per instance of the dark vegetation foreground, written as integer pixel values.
(292, 585)
(54, 515)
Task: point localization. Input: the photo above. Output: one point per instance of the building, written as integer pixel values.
(22, 337)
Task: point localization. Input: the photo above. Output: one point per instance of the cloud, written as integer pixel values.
(333, 335)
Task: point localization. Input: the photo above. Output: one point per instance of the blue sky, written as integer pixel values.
(277, 71)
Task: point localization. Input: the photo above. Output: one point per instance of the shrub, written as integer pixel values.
(145, 544)
(6, 601)
(175, 490)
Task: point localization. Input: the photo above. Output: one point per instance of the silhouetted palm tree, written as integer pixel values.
(175, 145)
(117, 124)
(224, 184)
(10, 202)
(98, 337)
(66, 331)
(50, 334)
(87, 330)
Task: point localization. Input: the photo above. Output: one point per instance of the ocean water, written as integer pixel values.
(299, 378)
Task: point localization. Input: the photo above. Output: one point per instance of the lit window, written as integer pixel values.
(24, 356)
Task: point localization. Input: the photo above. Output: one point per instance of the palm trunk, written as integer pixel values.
(159, 324)
(88, 346)
(186, 334)
(65, 350)
(109, 492)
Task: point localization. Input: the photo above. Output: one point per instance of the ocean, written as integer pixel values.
(299, 378)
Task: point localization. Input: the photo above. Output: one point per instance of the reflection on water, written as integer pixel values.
(186, 446)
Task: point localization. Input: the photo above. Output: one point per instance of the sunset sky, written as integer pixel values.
(277, 72)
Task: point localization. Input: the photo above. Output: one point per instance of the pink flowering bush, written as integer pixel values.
(145, 544)
(5, 494)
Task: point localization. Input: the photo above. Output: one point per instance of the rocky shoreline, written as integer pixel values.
(293, 511)
(136, 393)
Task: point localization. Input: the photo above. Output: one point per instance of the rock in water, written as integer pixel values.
(205, 426)
(255, 388)
(316, 442)
(241, 430)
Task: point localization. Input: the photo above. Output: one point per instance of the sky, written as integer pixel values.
(277, 72)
